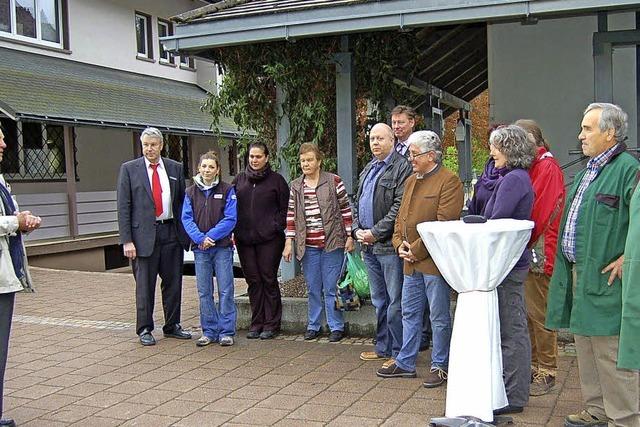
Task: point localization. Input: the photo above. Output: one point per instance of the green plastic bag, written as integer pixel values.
(357, 275)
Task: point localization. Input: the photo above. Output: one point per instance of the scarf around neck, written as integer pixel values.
(257, 175)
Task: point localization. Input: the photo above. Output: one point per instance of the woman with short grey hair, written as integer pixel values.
(513, 143)
(504, 191)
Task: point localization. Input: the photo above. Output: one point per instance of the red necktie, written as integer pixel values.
(156, 189)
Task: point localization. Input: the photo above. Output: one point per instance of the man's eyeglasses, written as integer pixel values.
(415, 156)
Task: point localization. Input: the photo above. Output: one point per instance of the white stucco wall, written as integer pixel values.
(545, 72)
(102, 32)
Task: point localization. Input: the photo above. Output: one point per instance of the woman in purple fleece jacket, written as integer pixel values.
(504, 191)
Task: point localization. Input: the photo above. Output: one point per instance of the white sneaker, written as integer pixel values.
(203, 341)
(226, 341)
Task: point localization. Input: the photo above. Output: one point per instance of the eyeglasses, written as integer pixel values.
(415, 156)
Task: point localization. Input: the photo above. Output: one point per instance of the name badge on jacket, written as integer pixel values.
(173, 178)
(217, 196)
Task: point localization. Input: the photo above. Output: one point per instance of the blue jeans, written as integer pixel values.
(321, 272)
(215, 321)
(418, 290)
(385, 283)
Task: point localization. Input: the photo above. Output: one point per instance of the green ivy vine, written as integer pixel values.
(305, 71)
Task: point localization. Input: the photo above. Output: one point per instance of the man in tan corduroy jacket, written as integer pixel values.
(432, 193)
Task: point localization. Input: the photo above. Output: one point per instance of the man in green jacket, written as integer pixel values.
(585, 293)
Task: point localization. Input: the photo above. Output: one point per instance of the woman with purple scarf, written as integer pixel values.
(504, 191)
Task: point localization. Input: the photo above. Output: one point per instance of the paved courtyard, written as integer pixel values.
(75, 361)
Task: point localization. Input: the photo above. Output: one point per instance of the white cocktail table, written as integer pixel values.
(474, 259)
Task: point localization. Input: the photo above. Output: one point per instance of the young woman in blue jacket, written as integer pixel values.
(209, 216)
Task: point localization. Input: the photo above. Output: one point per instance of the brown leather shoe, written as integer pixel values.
(542, 384)
(435, 378)
(389, 362)
(372, 355)
(394, 371)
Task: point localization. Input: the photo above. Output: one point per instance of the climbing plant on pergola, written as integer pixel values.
(305, 71)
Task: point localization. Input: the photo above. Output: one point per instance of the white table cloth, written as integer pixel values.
(474, 259)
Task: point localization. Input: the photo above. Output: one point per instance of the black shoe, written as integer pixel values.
(509, 409)
(7, 422)
(267, 335)
(145, 339)
(393, 371)
(252, 335)
(336, 336)
(311, 334)
(177, 332)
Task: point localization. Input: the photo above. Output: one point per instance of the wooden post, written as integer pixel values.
(70, 168)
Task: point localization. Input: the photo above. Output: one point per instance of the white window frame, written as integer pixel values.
(146, 32)
(219, 79)
(167, 25)
(185, 62)
(38, 38)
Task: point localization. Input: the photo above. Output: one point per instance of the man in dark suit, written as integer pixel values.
(403, 120)
(150, 197)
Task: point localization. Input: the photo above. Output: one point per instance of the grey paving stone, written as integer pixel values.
(347, 420)
(367, 409)
(229, 405)
(204, 419)
(103, 399)
(283, 401)
(254, 392)
(260, 416)
(71, 413)
(203, 394)
(124, 410)
(177, 408)
(313, 412)
(150, 420)
(337, 398)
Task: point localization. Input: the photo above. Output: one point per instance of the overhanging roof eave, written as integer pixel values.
(211, 33)
(120, 125)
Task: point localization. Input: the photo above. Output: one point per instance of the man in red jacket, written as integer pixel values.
(548, 185)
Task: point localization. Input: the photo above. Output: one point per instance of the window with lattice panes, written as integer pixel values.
(175, 148)
(35, 151)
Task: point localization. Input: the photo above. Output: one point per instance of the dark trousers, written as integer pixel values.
(6, 313)
(166, 261)
(514, 335)
(260, 267)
